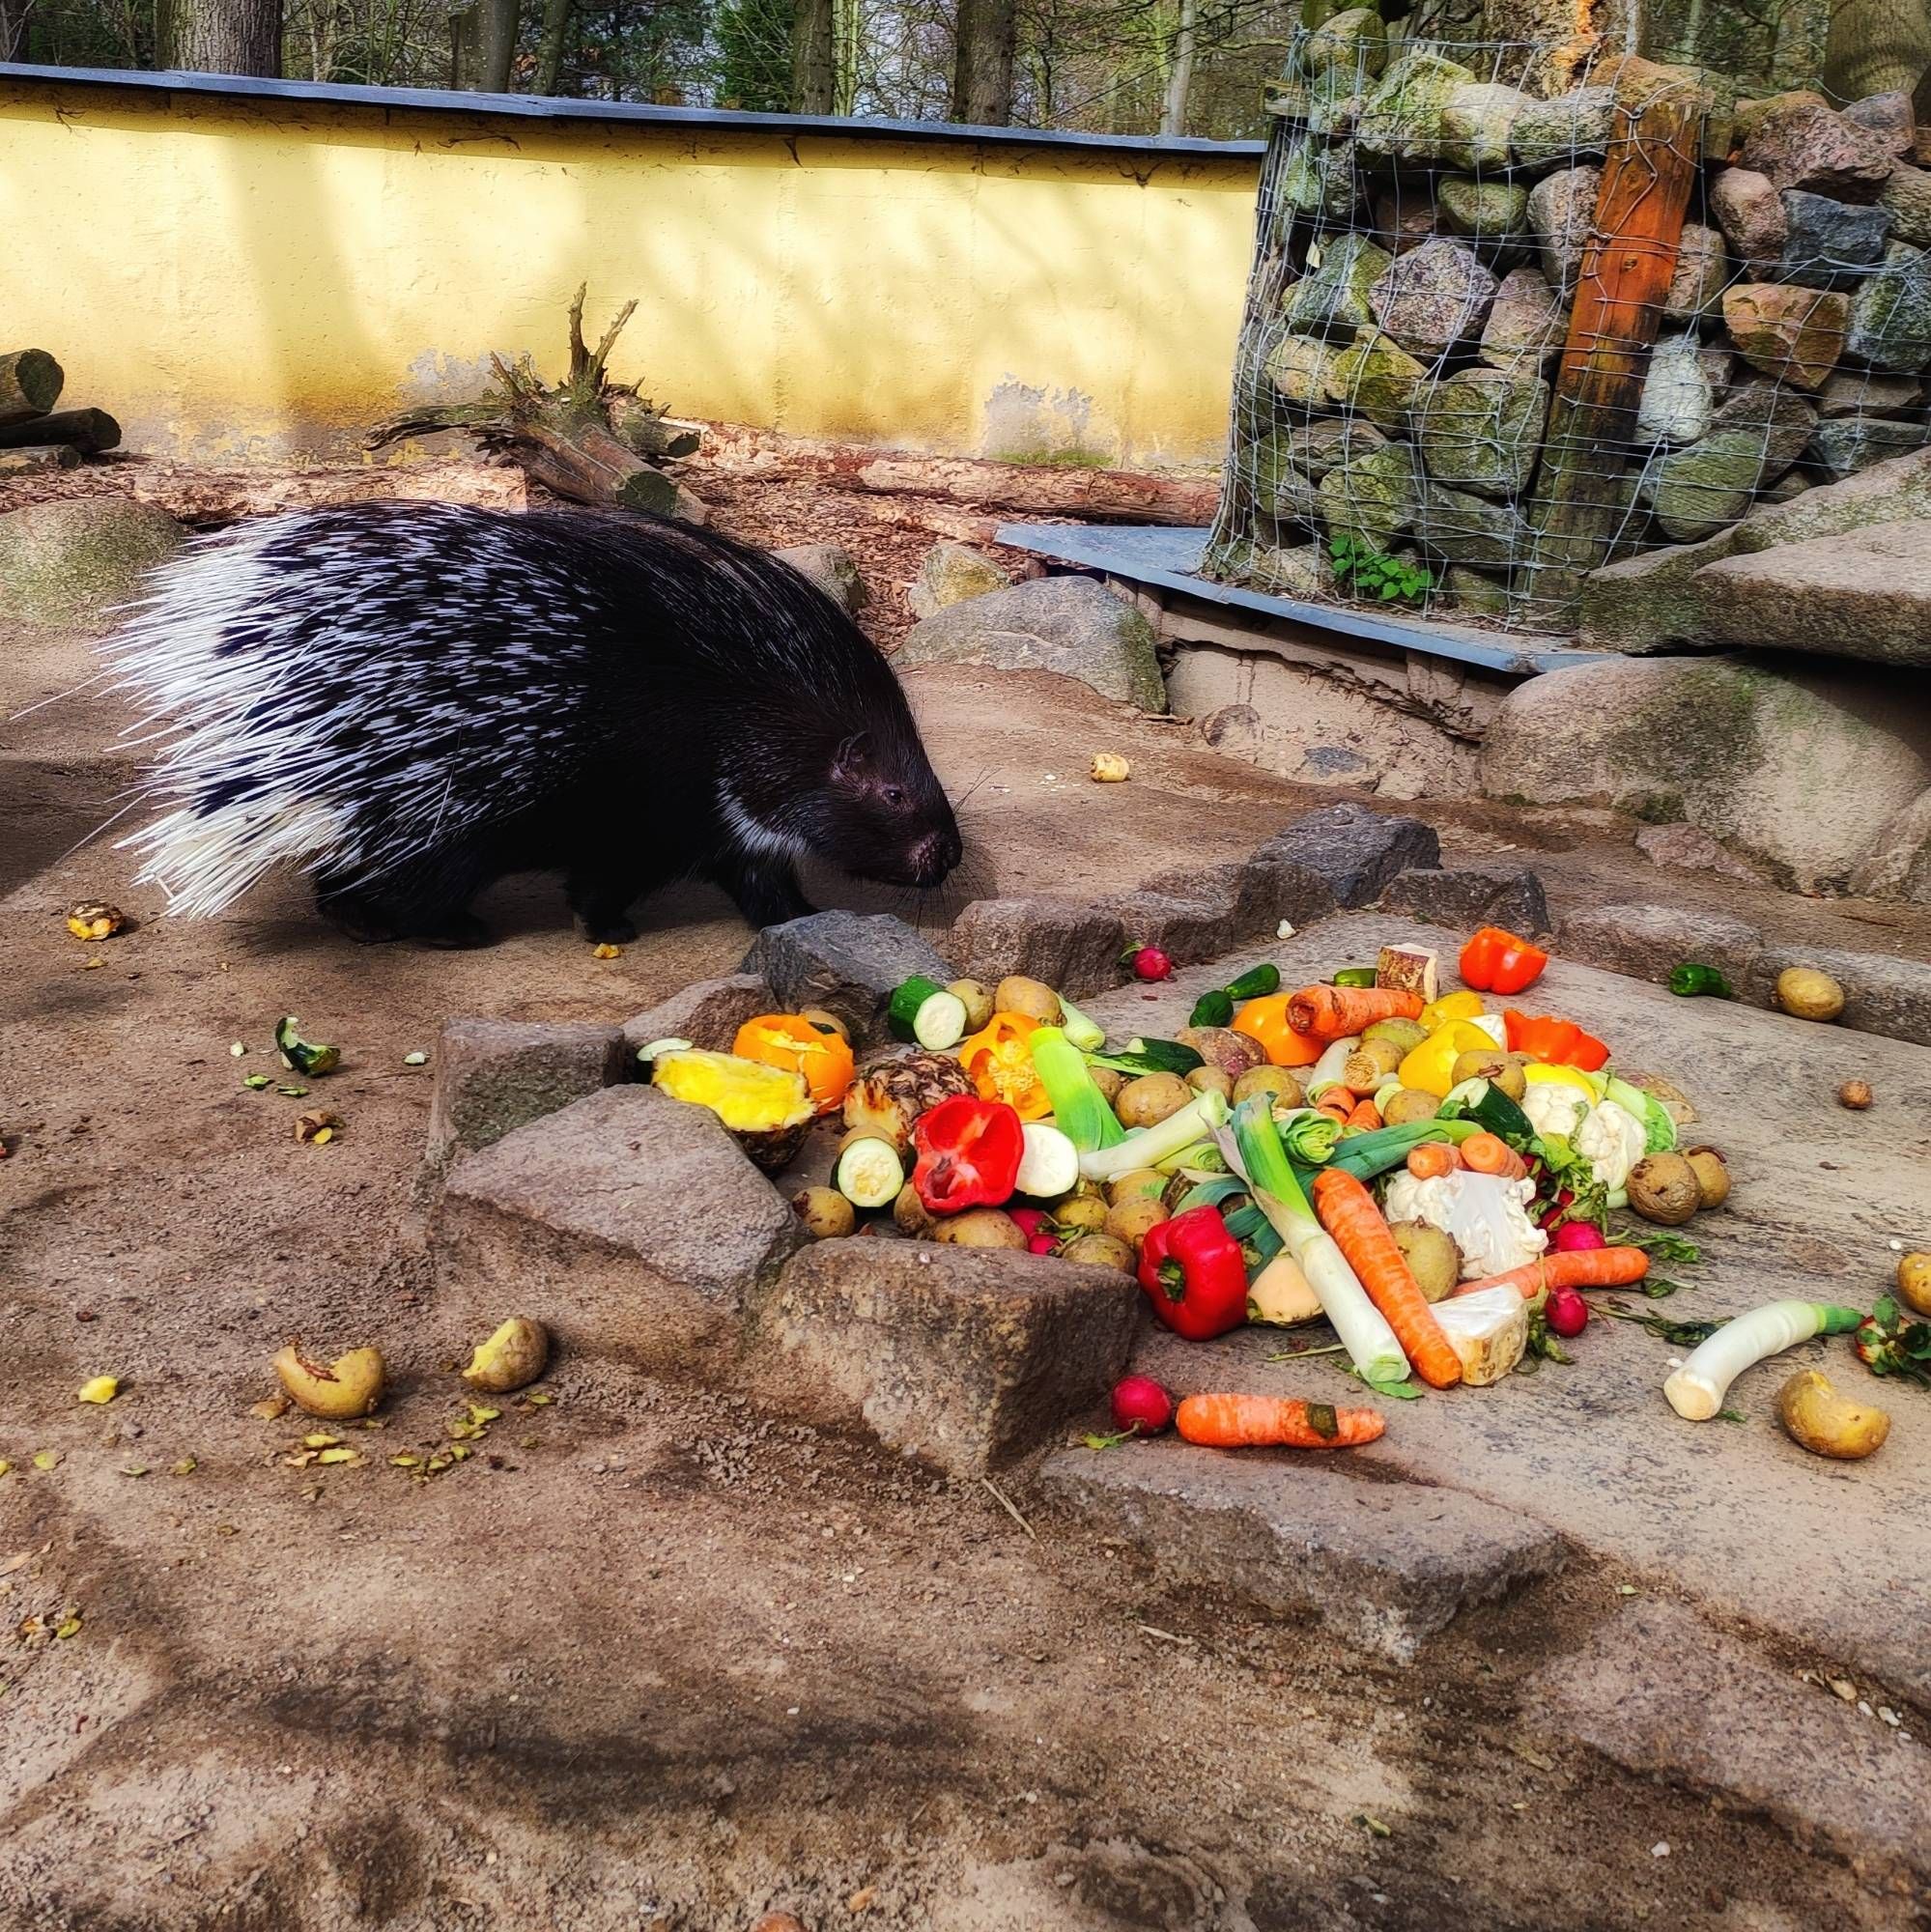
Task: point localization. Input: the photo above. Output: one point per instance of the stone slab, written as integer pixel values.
(1072, 947)
(1466, 896)
(1882, 994)
(1865, 594)
(1647, 942)
(962, 1358)
(1356, 851)
(494, 1076)
(630, 1223)
(1382, 1565)
(847, 962)
(707, 1013)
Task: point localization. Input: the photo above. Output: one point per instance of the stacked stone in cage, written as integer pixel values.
(1423, 216)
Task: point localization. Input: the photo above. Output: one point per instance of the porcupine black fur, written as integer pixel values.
(413, 699)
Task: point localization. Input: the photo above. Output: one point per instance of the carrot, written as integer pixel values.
(1364, 1115)
(1576, 1267)
(1430, 1160)
(1338, 1108)
(1489, 1153)
(1275, 1422)
(1332, 1013)
(1347, 1211)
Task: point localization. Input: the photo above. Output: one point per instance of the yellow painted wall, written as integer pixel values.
(236, 278)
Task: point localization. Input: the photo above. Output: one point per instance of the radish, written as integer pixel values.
(1573, 1236)
(1141, 1404)
(1566, 1313)
(1149, 962)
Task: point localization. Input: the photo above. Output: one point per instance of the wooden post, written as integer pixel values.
(30, 381)
(89, 431)
(1581, 494)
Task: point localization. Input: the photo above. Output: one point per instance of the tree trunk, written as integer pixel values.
(201, 495)
(483, 45)
(89, 431)
(220, 37)
(1180, 76)
(15, 15)
(1876, 46)
(549, 49)
(30, 381)
(983, 63)
(814, 57)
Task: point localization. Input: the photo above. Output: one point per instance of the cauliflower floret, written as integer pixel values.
(1486, 1217)
(1555, 1107)
(1611, 1140)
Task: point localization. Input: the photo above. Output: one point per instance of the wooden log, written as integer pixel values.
(592, 466)
(1583, 485)
(44, 456)
(211, 497)
(30, 381)
(89, 431)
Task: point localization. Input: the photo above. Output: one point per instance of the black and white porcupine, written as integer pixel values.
(412, 699)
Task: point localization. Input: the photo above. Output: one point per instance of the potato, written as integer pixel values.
(977, 998)
(1017, 994)
(980, 1228)
(1085, 1211)
(826, 1213)
(1282, 1082)
(349, 1386)
(1817, 1418)
(1107, 1251)
(911, 1215)
(1808, 994)
(1109, 1080)
(1211, 1080)
(1500, 1069)
(1713, 1174)
(1129, 1221)
(1147, 1101)
(1855, 1095)
(1406, 1035)
(1221, 1047)
(1141, 1183)
(514, 1355)
(1665, 1187)
(1914, 1283)
(1433, 1258)
(1405, 1105)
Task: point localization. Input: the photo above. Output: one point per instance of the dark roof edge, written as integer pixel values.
(551, 107)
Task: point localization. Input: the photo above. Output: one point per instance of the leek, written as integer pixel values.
(1309, 1135)
(1361, 1327)
(1326, 1071)
(1148, 1147)
(1079, 1108)
(1697, 1390)
(1088, 1036)
(1374, 1152)
(1197, 1157)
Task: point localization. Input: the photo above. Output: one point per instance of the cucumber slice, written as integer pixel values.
(923, 1013)
(868, 1172)
(1049, 1165)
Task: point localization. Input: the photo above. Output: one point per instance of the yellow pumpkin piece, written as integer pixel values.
(94, 919)
(99, 1389)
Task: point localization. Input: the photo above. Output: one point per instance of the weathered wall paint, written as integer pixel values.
(247, 278)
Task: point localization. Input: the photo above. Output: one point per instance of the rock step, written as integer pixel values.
(1384, 1565)
(1664, 1695)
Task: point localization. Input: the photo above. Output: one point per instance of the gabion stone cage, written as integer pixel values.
(1507, 325)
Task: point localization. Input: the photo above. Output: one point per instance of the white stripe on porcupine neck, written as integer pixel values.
(217, 718)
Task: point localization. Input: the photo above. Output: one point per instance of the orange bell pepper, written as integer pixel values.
(1496, 961)
(1000, 1061)
(1264, 1021)
(1561, 1042)
(821, 1054)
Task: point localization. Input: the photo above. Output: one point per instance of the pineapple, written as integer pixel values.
(767, 1108)
(887, 1099)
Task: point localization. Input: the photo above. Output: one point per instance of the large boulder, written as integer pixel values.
(1890, 314)
(1796, 141)
(1794, 334)
(1886, 493)
(1070, 625)
(1435, 297)
(1866, 592)
(1898, 867)
(65, 565)
(1749, 211)
(1799, 769)
(1527, 323)
(1333, 300)
(1481, 429)
(1830, 244)
(1562, 211)
(1650, 602)
(1375, 378)
(950, 573)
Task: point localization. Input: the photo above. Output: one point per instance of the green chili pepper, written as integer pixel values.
(1692, 980)
(1356, 976)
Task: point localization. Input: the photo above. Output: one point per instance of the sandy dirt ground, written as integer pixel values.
(649, 1659)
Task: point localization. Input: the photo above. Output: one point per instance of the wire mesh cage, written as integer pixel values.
(1512, 320)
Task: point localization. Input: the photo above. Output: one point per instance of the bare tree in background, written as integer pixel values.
(15, 15)
(551, 48)
(814, 57)
(1179, 75)
(482, 46)
(220, 37)
(985, 41)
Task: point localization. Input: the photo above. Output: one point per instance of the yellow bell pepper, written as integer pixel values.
(1428, 1068)
(1539, 1073)
(1451, 1006)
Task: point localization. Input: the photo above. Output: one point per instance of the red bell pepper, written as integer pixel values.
(1194, 1274)
(969, 1153)
(1494, 961)
(1558, 1043)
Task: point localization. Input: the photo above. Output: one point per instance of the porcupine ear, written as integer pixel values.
(852, 759)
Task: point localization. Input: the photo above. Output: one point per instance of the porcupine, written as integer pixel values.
(413, 699)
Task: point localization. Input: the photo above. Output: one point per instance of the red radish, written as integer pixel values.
(1574, 1235)
(1566, 1313)
(1028, 1219)
(1149, 962)
(1042, 1243)
(1139, 1404)
(1561, 1204)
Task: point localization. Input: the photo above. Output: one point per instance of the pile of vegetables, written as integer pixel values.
(1431, 1176)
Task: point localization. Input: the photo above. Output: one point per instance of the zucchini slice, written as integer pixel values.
(868, 1171)
(1049, 1166)
(923, 1013)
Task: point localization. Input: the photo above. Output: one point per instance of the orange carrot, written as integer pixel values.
(1489, 1153)
(1338, 1108)
(1332, 1013)
(1576, 1267)
(1275, 1422)
(1430, 1160)
(1364, 1115)
(1347, 1211)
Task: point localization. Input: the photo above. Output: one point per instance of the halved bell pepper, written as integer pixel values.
(1265, 1022)
(1560, 1041)
(1494, 961)
(969, 1153)
(790, 1040)
(999, 1057)
(1450, 1006)
(1430, 1067)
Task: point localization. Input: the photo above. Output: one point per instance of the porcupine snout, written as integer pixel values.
(934, 856)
